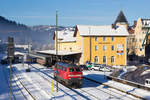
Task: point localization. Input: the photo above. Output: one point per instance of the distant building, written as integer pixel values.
(23, 48)
(140, 33)
(131, 41)
(147, 48)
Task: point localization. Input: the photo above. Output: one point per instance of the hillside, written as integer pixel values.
(40, 36)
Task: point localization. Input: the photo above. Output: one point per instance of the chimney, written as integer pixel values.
(135, 23)
(113, 26)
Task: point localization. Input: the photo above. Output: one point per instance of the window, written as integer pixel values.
(104, 59)
(77, 69)
(140, 49)
(112, 48)
(104, 38)
(96, 48)
(112, 38)
(96, 38)
(71, 49)
(112, 59)
(96, 59)
(146, 82)
(104, 47)
(140, 40)
(64, 69)
(71, 69)
(143, 32)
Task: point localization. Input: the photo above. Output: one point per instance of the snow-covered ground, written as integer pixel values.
(39, 83)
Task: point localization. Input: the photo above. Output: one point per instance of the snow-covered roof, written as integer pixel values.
(146, 22)
(66, 36)
(19, 53)
(59, 52)
(107, 30)
(23, 46)
(69, 39)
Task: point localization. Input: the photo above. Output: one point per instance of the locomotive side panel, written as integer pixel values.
(71, 75)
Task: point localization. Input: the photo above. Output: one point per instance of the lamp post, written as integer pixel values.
(90, 44)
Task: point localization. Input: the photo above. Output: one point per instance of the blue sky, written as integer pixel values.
(72, 12)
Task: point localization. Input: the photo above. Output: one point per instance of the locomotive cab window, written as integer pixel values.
(71, 69)
(78, 69)
(64, 69)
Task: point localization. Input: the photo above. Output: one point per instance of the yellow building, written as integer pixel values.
(99, 44)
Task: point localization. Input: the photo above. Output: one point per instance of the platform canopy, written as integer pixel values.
(61, 53)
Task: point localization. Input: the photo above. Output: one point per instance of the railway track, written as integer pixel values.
(33, 92)
(24, 91)
(6, 77)
(106, 91)
(17, 84)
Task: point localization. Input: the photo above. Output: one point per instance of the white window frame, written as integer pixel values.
(112, 38)
(112, 47)
(113, 59)
(104, 47)
(105, 60)
(96, 59)
(96, 47)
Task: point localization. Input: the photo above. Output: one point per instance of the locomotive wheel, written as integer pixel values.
(55, 77)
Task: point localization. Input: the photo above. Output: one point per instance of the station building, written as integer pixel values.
(96, 44)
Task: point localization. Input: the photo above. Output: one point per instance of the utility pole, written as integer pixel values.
(28, 70)
(56, 46)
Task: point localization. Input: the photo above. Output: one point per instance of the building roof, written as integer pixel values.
(131, 30)
(53, 52)
(121, 18)
(89, 30)
(19, 53)
(66, 36)
(146, 22)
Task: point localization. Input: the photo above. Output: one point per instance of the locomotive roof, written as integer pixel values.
(67, 65)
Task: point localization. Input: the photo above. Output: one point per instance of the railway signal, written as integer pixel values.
(10, 54)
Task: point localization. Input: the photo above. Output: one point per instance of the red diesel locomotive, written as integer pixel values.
(70, 74)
